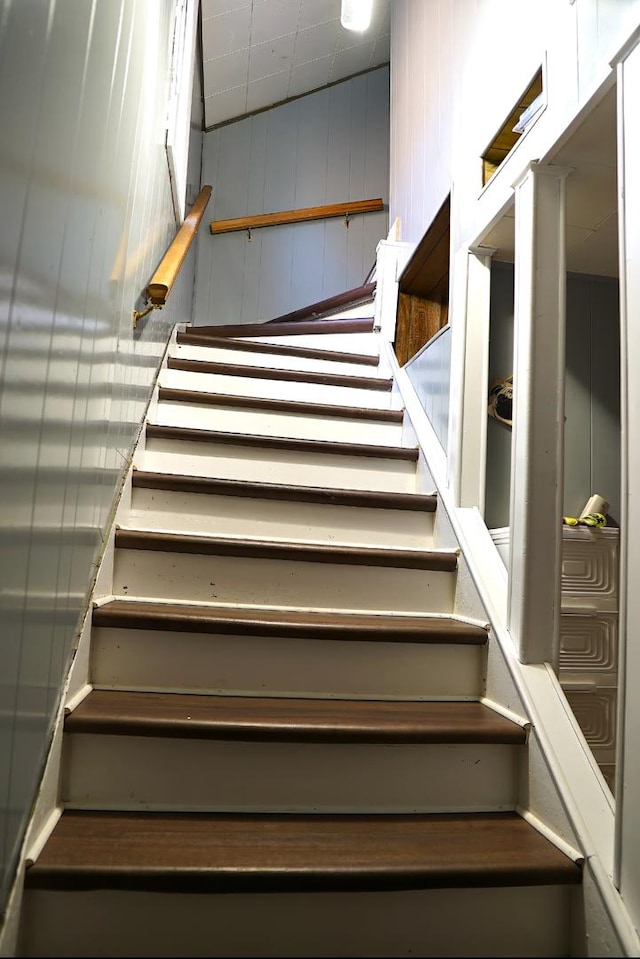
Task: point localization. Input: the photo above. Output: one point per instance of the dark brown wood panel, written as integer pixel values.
(288, 327)
(310, 624)
(272, 373)
(429, 262)
(187, 338)
(207, 852)
(142, 479)
(335, 448)
(322, 309)
(278, 406)
(432, 559)
(129, 713)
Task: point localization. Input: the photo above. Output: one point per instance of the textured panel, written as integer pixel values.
(590, 564)
(595, 710)
(589, 643)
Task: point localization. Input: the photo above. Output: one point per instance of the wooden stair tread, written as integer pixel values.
(288, 327)
(302, 624)
(188, 715)
(428, 559)
(176, 482)
(321, 309)
(289, 443)
(275, 373)
(187, 338)
(278, 406)
(223, 851)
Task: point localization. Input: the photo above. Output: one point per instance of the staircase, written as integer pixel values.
(283, 749)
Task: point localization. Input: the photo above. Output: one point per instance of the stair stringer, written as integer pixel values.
(567, 796)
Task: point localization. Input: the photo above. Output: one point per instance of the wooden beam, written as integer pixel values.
(296, 216)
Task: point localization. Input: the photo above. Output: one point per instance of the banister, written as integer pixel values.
(162, 281)
(297, 216)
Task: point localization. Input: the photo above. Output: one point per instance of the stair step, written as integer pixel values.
(296, 327)
(278, 389)
(432, 559)
(322, 654)
(274, 373)
(280, 491)
(293, 444)
(122, 712)
(198, 568)
(171, 394)
(296, 624)
(278, 464)
(187, 338)
(229, 852)
(171, 751)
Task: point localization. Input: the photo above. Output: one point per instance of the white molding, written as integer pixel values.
(584, 794)
(538, 414)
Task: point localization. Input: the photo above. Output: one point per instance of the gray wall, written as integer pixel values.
(592, 394)
(429, 372)
(86, 215)
(324, 148)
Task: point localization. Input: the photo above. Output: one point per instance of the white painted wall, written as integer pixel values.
(86, 216)
(328, 147)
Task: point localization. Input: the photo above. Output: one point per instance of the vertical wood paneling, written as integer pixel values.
(323, 148)
(83, 176)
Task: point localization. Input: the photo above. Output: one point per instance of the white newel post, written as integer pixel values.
(470, 469)
(391, 259)
(538, 414)
(628, 754)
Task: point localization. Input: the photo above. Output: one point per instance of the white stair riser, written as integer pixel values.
(289, 583)
(499, 922)
(145, 772)
(278, 519)
(367, 344)
(272, 423)
(281, 666)
(276, 361)
(279, 389)
(224, 461)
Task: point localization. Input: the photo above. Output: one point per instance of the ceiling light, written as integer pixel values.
(356, 14)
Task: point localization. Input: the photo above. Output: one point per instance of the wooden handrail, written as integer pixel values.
(165, 276)
(296, 216)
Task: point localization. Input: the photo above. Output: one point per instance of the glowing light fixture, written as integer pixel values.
(356, 14)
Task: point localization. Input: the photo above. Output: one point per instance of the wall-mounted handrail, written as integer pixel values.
(296, 216)
(159, 287)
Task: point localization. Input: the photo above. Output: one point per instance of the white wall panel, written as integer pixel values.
(330, 146)
(87, 214)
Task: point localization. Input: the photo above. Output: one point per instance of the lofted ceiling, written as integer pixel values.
(257, 53)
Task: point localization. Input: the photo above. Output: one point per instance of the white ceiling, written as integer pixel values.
(257, 53)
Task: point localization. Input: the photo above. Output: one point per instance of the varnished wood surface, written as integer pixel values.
(278, 406)
(273, 373)
(322, 309)
(310, 624)
(302, 215)
(288, 327)
(207, 852)
(186, 338)
(289, 443)
(165, 276)
(428, 559)
(122, 712)
(278, 491)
